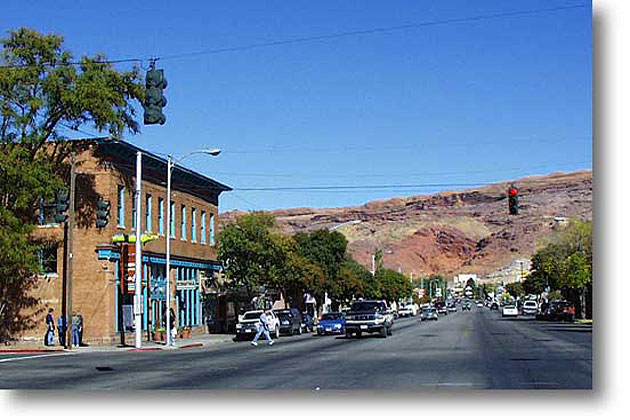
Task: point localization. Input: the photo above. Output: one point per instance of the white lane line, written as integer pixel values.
(34, 357)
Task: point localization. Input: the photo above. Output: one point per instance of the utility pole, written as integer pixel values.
(70, 256)
(138, 280)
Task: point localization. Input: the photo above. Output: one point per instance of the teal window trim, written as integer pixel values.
(148, 213)
(193, 224)
(133, 212)
(161, 216)
(121, 206)
(203, 227)
(211, 229)
(183, 226)
(172, 219)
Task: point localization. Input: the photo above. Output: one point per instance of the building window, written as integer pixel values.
(211, 229)
(161, 216)
(46, 213)
(147, 214)
(203, 227)
(133, 212)
(48, 259)
(172, 219)
(121, 206)
(182, 234)
(193, 225)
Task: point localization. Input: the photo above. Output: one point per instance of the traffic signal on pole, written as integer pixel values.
(61, 207)
(154, 99)
(513, 200)
(102, 213)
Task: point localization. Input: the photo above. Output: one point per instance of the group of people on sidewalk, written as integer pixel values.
(62, 328)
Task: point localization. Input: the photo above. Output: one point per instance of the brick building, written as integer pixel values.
(101, 292)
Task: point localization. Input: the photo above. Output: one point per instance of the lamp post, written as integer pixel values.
(169, 170)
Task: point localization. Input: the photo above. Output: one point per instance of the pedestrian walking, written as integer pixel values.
(49, 339)
(263, 328)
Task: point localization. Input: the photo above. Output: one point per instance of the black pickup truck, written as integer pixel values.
(370, 316)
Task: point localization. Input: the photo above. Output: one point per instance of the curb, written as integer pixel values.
(190, 346)
(32, 351)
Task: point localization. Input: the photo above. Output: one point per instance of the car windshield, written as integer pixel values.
(529, 303)
(252, 315)
(331, 316)
(366, 306)
(429, 310)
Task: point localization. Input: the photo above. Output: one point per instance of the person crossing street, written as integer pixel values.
(263, 328)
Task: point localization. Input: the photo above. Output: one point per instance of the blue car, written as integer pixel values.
(331, 323)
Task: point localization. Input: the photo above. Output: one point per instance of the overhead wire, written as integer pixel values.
(313, 38)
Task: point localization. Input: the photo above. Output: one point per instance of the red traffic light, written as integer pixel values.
(513, 192)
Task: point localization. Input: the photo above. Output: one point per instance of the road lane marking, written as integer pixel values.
(33, 357)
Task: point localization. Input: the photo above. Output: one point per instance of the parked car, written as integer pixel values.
(466, 306)
(510, 310)
(331, 323)
(530, 307)
(247, 325)
(494, 306)
(559, 310)
(290, 321)
(452, 307)
(479, 304)
(429, 314)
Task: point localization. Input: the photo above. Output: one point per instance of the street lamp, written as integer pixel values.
(169, 170)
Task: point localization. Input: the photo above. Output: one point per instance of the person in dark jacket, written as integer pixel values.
(50, 332)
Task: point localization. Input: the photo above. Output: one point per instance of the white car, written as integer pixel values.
(248, 324)
(408, 310)
(530, 307)
(510, 310)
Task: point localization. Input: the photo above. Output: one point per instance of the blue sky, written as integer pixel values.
(443, 101)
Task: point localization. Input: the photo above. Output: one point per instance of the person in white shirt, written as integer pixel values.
(263, 328)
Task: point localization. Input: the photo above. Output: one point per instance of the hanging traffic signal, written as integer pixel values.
(102, 213)
(513, 200)
(154, 99)
(61, 207)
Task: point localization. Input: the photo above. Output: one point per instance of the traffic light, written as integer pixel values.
(513, 200)
(61, 207)
(154, 100)
(102, 213)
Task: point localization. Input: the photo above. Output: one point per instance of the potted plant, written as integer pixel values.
(159, 334)
(185, 332)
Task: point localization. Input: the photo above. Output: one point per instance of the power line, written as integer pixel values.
(313, 38)
(364, 148)
(381, 187)
(369, 31)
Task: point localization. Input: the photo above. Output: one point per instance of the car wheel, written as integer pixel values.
(384, 332)
(348, 334)
(359, 334)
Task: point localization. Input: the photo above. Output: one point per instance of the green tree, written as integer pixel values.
(565, 263)
(393, 285)
(252, 256)
(327, 250)
(515, 289)
(43, 87)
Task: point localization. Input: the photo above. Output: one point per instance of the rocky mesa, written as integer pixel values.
(452, 232)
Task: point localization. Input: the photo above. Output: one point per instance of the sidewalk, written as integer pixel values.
(200, 340)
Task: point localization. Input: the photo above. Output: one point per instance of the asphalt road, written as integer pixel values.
(464, 350)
